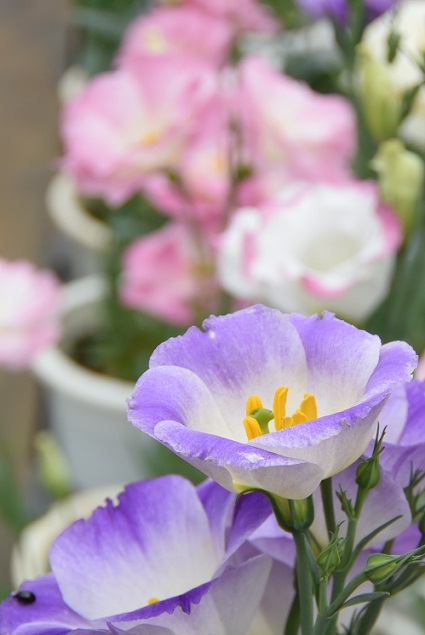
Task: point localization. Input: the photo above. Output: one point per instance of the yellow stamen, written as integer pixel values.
(153, 600)
(279, 407)
(308, 407)
(252, 428)
(298, 417)
(253, 403)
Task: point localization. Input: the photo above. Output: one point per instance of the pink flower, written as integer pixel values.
(125, 125)
(291, 131)
(160, 275)
(203, 170)
(29, 312)
(315, 247)
(182, 31)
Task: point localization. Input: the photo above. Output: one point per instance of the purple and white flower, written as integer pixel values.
(404, 441)
(323, 384)
(158, 562)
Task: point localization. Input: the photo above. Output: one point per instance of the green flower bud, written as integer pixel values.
(330, 556)
(368, 473)
(401, 179)
(293, 515)
(381, 566)
(381, 104)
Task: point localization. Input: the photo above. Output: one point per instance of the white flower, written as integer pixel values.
(315, 247)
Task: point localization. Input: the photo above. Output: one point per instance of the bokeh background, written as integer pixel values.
(34, 49)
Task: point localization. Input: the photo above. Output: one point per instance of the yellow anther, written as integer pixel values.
(298, 417)
(306, 412)
(252, 428)
(153, 600)
(253, 403)
(279, 407)
(308, 407)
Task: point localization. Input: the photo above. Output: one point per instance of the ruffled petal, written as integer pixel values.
(155, 544)
(238, 466)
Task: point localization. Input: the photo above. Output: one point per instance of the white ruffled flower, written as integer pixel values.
(315, 247)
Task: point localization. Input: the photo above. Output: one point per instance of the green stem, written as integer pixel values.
(371, 614)
(293, 621)
(328, 504)
(305, 586)
(345, 594)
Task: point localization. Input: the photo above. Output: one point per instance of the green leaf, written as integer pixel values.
(365, 597)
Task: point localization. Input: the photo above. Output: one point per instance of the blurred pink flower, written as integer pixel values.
(203, 171)
(29, 312)
(125, 125)
(159, 275)
(177, 31)
(290, 132)
(314, 247)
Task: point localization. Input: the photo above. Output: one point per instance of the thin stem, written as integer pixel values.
(371, 614)
(293, 621)
(305, 586)
(328, 504)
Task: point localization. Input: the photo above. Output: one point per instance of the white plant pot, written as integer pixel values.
(86, 410)
(83, 238)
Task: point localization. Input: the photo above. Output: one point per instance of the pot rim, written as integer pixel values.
(54, 368)
(71, 217)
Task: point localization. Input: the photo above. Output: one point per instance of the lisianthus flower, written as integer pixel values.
(160, 276)
(159, 558)
(203, 170)
(404, 72)
(177, 31)
(29, 312)
(125, 125)
(339, 9)
(286, 125)
(314, 247)
(322, 383)
(404, 441)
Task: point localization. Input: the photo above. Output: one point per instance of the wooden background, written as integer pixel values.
(32, 57)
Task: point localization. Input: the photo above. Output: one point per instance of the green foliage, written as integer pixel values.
(101, 24)
(126, 338)
(12, 508)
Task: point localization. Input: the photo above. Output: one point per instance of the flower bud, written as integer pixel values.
(293, 515)
(401, 179)
(330, 556)
(381, 566)
(368, 473)
(381, 105)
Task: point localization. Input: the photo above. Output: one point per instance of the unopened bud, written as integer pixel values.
(330, 557)
(368, 473)
(381, 566)
(381, 104)
(401, 179)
